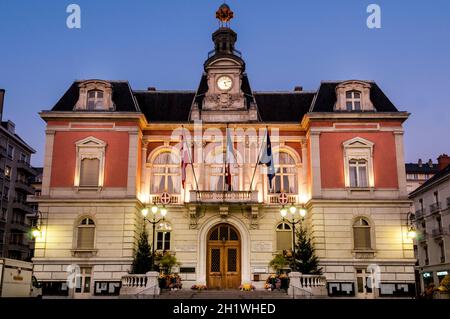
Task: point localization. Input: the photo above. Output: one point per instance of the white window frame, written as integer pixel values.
(167, 229)
(90, 148)
(95, 85)
(352, 85)
(286, 228)
(82, 224)
(96, 99)
(166, 173)
(353, 100)
(358, 149)
(279, 173)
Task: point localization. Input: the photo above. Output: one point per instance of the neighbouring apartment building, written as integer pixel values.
(418, 173)
(337, 151)
(432, 221)
(15, 175)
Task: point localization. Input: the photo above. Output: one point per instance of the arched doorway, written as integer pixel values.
(223, 258)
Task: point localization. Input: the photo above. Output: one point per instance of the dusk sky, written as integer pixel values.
(284, 43)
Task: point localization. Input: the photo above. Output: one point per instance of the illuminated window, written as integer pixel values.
(358, 163)
(166, 174)
(285, 180)
(90, 165)
(358, 173)
(163, 232)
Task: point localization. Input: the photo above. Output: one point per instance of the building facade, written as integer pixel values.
(112, 151)
(418, 173)
(432, 220)
(15, 175)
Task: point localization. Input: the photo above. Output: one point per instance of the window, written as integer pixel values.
(284, 236)
(285, 180)
(442, 251)
(90, 165)
(23, 158)
(163, 236)
(436, 197)
(95, 100)
(86, 234)
(10, 151)
(353, 100)
(425, 251)
(107, 288)
(83, 281)
(358, 163)
(89, 172)
(358, 173)
(8, 171)
(361, 234)
(166, 174)
(6, 193)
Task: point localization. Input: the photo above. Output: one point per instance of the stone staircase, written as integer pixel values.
(222, 294)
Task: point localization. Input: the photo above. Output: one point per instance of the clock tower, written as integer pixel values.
(224, 94)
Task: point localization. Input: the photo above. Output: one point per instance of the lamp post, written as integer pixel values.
(36, 229)
(154, 221)
(293, 222)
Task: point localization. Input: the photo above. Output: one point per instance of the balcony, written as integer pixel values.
(21, 226)
(23, 207)
(25, 166)
(448, 202)
(436, 207)
(24, 187)
(437, 232)
(219, 197)
(420, 213)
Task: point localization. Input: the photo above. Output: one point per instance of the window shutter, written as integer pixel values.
(89, 172)
(85, 237)
(362, 237)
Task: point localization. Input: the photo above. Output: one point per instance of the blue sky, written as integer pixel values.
(285, 43)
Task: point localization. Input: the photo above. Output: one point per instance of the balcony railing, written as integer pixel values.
(274, 199)
(22, 206)
(435, 207)
(420, 213)
(448, 202)
(235, 197)
(21, 164)
(156, 199)
(140, 284)
(24, 186)
(437, 232)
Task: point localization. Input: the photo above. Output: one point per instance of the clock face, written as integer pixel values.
(224, 83)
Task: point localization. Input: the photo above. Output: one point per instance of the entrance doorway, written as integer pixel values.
(365, 283)
(223, 258)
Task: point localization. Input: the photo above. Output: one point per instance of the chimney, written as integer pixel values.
(420, 162)
(430, 163)
(151, 88)
(2, 98)
(443, 161)
(11, 127)
(298, 88)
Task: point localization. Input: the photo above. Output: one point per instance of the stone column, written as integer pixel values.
(152, 287)
(294, 281)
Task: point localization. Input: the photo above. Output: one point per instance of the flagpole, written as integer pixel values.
(190, 159)
(259, 157)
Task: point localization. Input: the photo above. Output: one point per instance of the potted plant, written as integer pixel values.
(278, 263)
(443, 291)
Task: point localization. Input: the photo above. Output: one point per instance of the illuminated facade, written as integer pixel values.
(112, 151)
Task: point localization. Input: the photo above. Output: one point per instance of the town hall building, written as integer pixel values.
(113, 152)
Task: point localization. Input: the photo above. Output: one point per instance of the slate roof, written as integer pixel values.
(175, 106)
(326, 98)
(122, 97)
(414, 168)
(443, 173)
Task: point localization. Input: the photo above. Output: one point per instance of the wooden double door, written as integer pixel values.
(224, 258)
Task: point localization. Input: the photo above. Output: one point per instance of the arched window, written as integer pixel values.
(361, 234)
(285, 180)
(358, 173)
(353, 100)
(166, 174)
(284, 236)
(215, 168)
(95, 100)
(86, 234)
(163, 232)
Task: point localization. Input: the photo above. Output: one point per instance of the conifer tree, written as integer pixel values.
(306, 260)
(142, 258)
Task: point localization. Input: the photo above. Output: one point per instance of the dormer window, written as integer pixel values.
(95, 95)
(95, 100)
(353, 100)
(353, 96)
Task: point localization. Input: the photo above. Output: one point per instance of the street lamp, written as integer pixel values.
(412, 232)
(293, 222)
(154, 221)
(36, 229)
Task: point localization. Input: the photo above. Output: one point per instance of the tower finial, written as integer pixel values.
(224, 14)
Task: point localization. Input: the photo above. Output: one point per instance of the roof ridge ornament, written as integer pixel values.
(224, 14)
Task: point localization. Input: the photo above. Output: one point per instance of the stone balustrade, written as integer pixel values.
(307, 286)
(140, 286)
(223, 196)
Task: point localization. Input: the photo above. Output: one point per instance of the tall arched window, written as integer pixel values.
(285, 180)
(361, 234)
(166, 174)
(86, 234)
(284, 236)
(95, 100)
